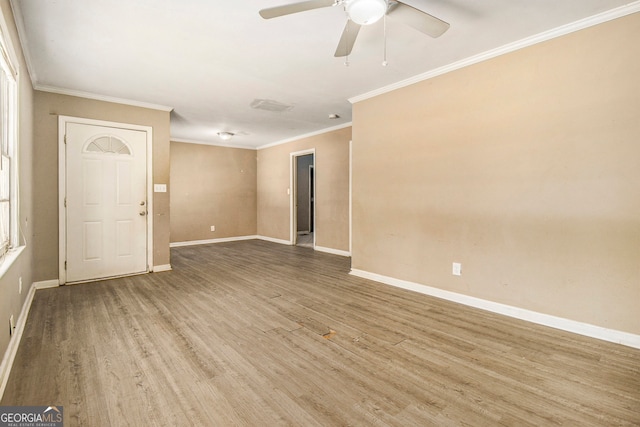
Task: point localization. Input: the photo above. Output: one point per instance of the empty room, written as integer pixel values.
(319, 213)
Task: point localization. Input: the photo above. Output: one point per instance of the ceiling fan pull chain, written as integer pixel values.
(346, 58)
(384, 22)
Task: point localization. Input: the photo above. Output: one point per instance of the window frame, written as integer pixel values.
(11, 246)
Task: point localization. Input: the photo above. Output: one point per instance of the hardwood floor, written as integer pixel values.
(259, 334)
(305, 240)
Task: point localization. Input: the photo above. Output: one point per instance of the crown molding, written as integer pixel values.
(19, 21)
(306, 135)
(600, 18)
(97, 97)
(215, 144)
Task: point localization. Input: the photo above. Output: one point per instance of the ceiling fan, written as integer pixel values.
(365, 12)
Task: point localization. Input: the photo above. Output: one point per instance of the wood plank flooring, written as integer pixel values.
(259, 334)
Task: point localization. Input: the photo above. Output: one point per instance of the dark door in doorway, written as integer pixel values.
(305, 199)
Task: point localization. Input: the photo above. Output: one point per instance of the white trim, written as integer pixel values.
(46, 284)
(161, 268)
(508, 48)
(14, 76)
(312, 200)
(14, 342)
(306, 135)
(22, 34)
(350, 197)
(232, 239)
(9, 258)
(62, 188)
(11, 51)
(274, 240)
(209, 241)
(19, 21)
(254, 237)
(62, 192)
(150, 196)
(593, 331)
(215, 144)
(332, 251)
(98, 97)
(293, 193)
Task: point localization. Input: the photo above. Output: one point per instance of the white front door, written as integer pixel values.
(106, 203)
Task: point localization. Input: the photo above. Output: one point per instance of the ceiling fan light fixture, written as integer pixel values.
(366, 12)
(225, 136)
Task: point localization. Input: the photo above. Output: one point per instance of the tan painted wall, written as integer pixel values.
(11, 301)
(332, 188)
(524, 168)
(212, 186)
(48, 106)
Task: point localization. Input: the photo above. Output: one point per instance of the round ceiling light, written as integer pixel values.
(225, 136)
(366, 12)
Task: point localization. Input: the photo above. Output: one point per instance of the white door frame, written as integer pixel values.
(351, 198)
(62, 186)
(294, 192)
(312, 198)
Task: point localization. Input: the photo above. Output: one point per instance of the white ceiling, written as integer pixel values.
(210, 59)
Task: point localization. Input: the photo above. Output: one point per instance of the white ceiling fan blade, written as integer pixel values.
(348, 38)
(421, 21)
(287, 9)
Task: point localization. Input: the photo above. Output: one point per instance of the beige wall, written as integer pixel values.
(48, 106)
(524, 168)
(11, 301)
(332, 188)
(212, 186)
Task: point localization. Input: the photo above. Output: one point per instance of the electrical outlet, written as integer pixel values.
(213, 228)
(12, 325)
(457, 269)
(20, 285)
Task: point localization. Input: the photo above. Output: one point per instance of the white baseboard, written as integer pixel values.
(265, 238)
(271, 239)
(14, 342)
(46, 284)
(332, 251)
(206, 242)
(593, 331)
(160, 268)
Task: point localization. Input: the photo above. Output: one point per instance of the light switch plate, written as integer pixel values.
(159, 188)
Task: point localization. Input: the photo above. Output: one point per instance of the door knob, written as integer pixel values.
(143, 213)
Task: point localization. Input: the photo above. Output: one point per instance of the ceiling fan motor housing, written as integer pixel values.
(366, 12)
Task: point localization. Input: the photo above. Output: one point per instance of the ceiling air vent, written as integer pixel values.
(270, 105)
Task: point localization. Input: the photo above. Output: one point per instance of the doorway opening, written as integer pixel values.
(303, 224)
